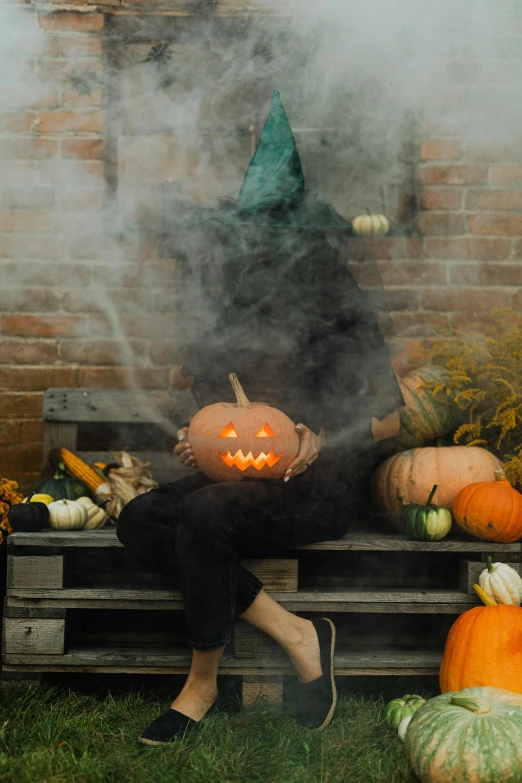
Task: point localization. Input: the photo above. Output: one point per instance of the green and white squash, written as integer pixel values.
(398, 709)
(426, 523)
(423, 418)
(502, 583)
(468, 736)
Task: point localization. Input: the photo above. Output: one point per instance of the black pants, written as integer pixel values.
(194, 531)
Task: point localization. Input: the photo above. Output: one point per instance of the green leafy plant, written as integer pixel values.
(484, 379)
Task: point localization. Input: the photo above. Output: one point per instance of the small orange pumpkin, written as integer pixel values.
(234, 440)
(484, 647)
(490, 510)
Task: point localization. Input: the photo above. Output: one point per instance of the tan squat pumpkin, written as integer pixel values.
(234, 440)
(409, 476)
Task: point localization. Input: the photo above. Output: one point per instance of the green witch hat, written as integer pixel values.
(273, 193)
(274, 179)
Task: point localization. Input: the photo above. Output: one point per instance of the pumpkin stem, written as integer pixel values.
(489, 561)
(484, 597)
(368, 212)
(432, 493)
(500, 475)
(478, 706)
(242, 399)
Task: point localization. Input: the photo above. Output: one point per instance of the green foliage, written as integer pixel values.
(51, 736)
(484, 378)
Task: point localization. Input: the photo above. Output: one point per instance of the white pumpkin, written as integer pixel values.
(371, 225)
(403, 727)
(502, 583)
(67, 514)
(96, 516)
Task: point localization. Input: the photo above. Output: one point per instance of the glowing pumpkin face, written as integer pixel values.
(231, 441)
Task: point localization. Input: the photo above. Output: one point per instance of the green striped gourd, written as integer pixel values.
(473, 735)
(423, 418)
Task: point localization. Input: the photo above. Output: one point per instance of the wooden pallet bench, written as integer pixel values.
(76, 600)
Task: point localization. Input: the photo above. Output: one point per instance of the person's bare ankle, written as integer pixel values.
(304, 652)
(196, 698)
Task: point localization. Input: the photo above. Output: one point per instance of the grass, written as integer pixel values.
(51, 735)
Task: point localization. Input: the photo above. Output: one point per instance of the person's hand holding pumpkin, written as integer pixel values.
(309, 447)
(183, 450)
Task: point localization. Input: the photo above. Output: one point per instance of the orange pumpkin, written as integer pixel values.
(490, 510)
(484, 647)
(409, 476)
(234, 440)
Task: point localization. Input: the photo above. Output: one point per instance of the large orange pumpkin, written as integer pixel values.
(484, 647)
(408, 477)
(234, 440)
(423, 418)
(490, 510)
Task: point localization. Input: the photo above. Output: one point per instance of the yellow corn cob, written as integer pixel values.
(80, 469)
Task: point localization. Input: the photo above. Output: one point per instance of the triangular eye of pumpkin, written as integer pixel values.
(266, 432)
(229, 432)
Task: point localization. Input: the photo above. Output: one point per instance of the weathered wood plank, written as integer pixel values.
(35, 572)
(352, 671)
(384, 542)
(277, 575)
(115, 405)
(285, 599)
(309, 597)
(169, 659)
(26, 636)
(29, 612)
(60, 434)
(249, 642)
(255, 687)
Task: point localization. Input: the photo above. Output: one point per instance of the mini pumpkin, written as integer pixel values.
(400, 708)
(426, 523)
(473, 736)
(28, 517)
(234, 440)
(67, 514)
(371, 225)
(490, 510)
(96, 516)
(502, 583)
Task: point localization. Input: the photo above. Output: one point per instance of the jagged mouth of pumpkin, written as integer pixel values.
(239, 460)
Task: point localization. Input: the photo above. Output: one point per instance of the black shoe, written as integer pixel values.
(316, 700)
(171, 726)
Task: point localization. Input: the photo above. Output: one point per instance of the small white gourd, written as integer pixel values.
(96, 516)
(501, 583)
(371, 225)
(67, 515)
(403, 727)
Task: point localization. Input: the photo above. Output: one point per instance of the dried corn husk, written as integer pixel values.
(127, 482)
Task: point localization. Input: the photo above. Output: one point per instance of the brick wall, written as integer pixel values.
(57, 263)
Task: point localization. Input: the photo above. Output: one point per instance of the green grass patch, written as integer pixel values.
(51, 735)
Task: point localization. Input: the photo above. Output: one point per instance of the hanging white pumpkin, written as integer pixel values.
(501, 583)
(371, 225)
(67, 515)
(96, 516)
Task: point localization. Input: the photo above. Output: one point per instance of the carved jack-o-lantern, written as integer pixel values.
(234, 440)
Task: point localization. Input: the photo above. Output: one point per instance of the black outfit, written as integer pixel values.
(328, 368)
